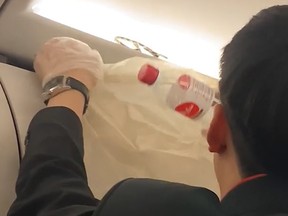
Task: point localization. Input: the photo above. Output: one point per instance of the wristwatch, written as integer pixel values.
(61, 84)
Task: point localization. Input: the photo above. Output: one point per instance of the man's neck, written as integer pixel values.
(227, 172)
(228, 183)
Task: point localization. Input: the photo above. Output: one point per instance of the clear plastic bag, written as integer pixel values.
(129, 132)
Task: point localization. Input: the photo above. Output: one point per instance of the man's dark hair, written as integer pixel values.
(254, 92)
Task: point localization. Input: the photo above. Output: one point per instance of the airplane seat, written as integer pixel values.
(19, 101)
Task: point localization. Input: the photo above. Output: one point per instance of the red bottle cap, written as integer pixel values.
(148, 74)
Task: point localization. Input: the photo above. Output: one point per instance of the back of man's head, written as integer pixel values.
(254, 92)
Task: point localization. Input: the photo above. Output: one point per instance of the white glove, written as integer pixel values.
(62, 54)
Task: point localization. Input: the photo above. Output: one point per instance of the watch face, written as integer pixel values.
(55, 86)
(57, 81)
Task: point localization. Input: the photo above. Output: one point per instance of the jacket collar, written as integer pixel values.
(265, 195)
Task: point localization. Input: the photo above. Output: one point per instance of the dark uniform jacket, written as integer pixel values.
(52, 181)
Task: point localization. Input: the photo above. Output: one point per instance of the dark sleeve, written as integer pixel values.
(52, 178)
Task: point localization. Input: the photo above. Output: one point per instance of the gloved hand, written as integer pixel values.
(66, 56)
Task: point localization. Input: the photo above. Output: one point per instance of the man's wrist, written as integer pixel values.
(71, 99)
(74, 98)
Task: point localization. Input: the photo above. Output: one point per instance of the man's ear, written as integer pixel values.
(218, 131)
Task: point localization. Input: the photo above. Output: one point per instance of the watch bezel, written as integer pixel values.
(55, 86)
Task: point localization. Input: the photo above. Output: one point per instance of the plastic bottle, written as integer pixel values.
(185, 95)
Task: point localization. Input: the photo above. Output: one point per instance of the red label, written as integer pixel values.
(189, 110)
(184, 81)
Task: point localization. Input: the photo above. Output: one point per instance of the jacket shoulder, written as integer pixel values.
(143, 197)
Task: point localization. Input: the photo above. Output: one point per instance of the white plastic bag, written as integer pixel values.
(129, 132)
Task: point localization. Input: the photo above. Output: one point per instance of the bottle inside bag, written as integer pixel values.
(186, 95)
